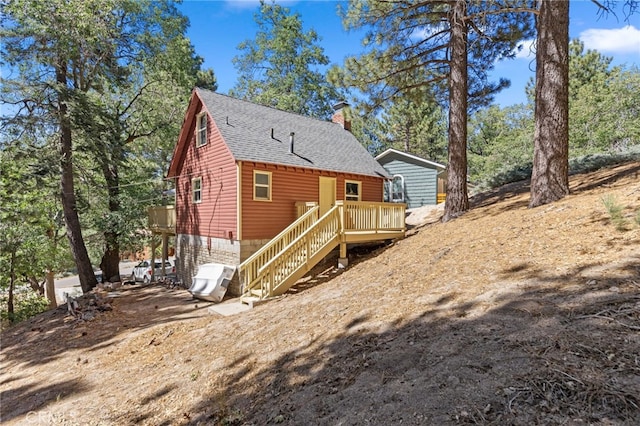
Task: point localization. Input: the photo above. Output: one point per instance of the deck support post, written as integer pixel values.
(152, 258)
(165, 252)
(343, 260)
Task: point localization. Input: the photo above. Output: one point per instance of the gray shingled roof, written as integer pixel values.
(246, 128)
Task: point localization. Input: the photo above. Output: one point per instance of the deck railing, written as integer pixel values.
(162, 218)
(304, 206)
(365, 216)
(249, 269)
(277, 266)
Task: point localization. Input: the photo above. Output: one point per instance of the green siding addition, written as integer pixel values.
(420, 181)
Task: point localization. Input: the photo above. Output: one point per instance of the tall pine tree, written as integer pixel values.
(447, 47)
(550, 175)
(72, 61)
(281, 66)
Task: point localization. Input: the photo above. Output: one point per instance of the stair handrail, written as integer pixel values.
(248, 270)
(334, 213)
(275, 274)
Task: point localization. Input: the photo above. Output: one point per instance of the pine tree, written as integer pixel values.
(550, 176)
(280, 67)
(76, 74)
(446, 47)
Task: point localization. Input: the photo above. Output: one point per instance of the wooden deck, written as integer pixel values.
(280, 263)
(162, 219)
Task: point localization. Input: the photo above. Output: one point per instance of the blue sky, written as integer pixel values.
(218, 26)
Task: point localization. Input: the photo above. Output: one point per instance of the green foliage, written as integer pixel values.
(583, 164)
(280, 67)
(366, 128)
(31, 224)
(506, 175)
(500, 144)
(135, 147)
(124, 70)
(407, 47)
(604, 124)
(416, 125)
(615, 212)
(604, 103)
(445, 49)
(592, 162)
(31, 227)
(27, 304)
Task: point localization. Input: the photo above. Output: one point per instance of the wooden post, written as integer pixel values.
(165, 252)
(343, 260)
(152, 261)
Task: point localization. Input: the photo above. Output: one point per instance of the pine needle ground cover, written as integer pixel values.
(506, 315)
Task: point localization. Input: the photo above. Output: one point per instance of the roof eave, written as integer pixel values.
(413, 157)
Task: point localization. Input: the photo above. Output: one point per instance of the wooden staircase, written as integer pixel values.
(273, 269)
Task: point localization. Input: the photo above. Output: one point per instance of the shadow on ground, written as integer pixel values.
(551, 354)
(57, 332)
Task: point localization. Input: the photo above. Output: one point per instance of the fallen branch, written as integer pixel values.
(631, 327)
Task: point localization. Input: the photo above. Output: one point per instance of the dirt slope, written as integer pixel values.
(507, 315)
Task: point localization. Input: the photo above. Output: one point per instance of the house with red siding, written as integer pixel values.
(241, 171)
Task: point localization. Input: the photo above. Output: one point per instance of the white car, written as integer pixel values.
(142, 271)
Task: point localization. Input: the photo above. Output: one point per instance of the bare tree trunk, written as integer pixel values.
(550, 175)
(110, 263)
(35, 285)
(50, 290)
(457, 201)
(74, 230)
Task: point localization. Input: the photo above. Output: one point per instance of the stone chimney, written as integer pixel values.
(340, 116)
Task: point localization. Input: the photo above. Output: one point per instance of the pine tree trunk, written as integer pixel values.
(110, 263)
(457, 201)
(74, 231)
(550, 175)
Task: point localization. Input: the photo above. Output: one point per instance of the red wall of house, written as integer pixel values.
(265, 219)
(216, 215)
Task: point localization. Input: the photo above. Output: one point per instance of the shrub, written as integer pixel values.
(26, 304)
(615, 212)
(582, 164)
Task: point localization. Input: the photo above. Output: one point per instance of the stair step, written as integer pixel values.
(252, 301)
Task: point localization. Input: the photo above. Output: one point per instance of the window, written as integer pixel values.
(352, 190)
(397, 189)
(261, 185)
(201, 129)
(196, 190)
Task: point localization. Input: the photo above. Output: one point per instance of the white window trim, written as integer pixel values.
(359, 196)
(256, 185)
(199, 139)
(402, 189)
(197, 180)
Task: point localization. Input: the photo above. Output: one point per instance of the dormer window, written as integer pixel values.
(201, 129)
